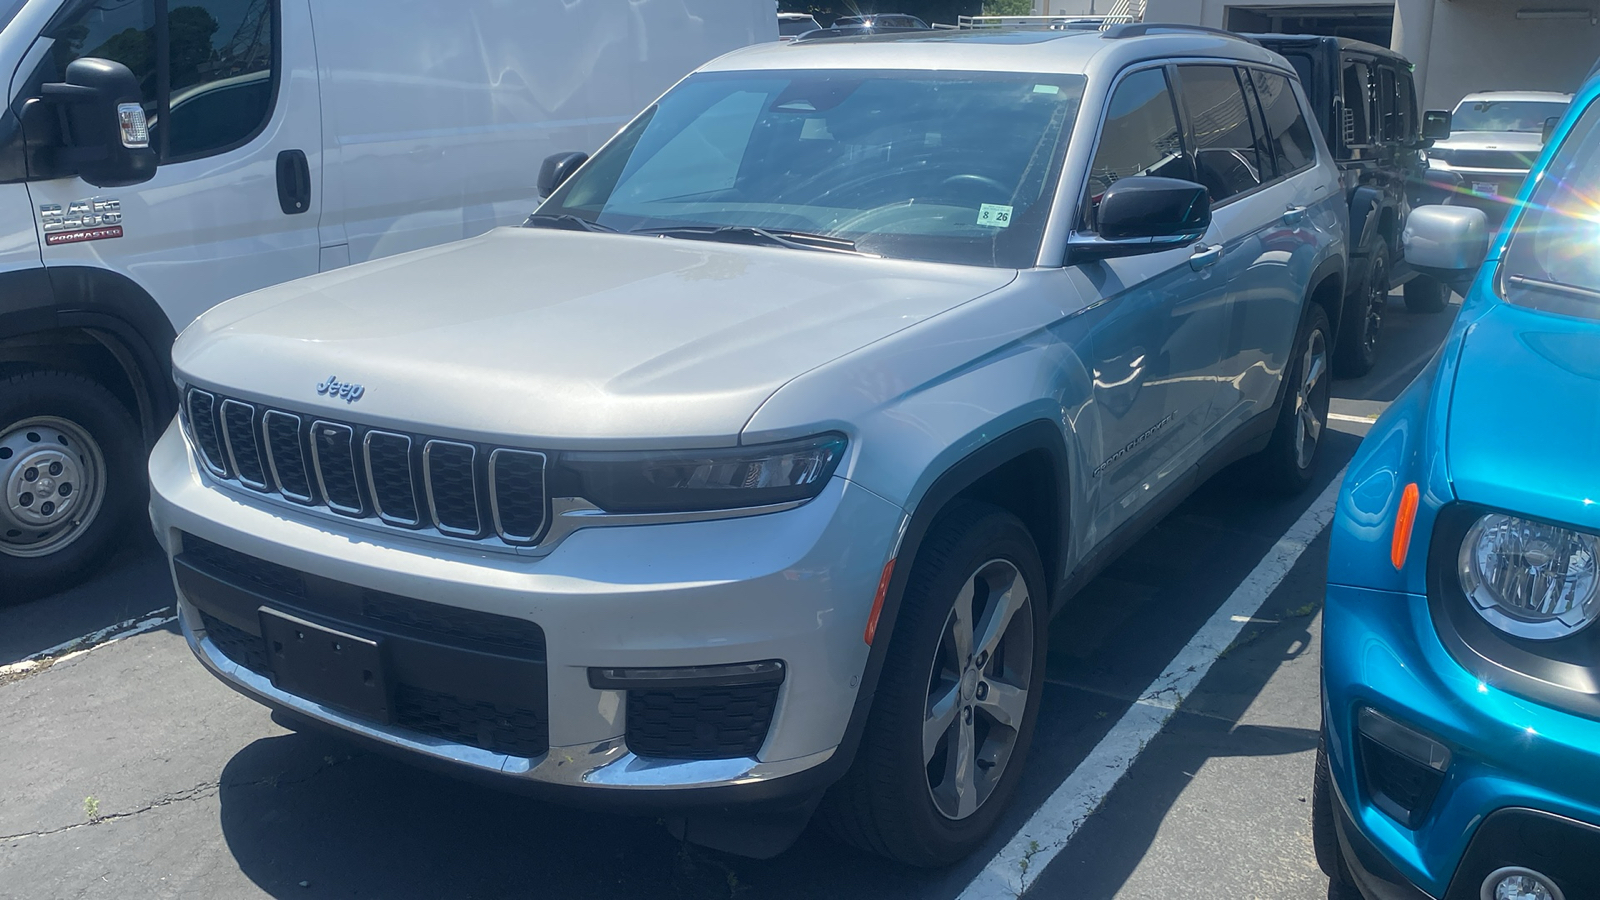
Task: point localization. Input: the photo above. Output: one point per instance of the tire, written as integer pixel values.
(71, 436)
(1426, 295)
(1363, 318)
(900, 799)
(1324, 834)
(1290, 458)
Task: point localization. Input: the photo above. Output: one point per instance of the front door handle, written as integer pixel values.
(1205, 256)
(294, 182)
(1294, 215)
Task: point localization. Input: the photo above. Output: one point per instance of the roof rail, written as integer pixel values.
(1140, 29)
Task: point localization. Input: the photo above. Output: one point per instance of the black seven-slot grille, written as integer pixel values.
(408, 481)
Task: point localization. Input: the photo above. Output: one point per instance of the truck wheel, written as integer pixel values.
(1291, 455)
(71, 473)
(949, 730)
(1363, 319)
(1324, 835)
(1426, 295)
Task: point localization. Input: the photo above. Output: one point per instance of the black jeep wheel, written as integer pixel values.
(1363, 319)
(955, 707)
(1426, 295)
(1324, 834)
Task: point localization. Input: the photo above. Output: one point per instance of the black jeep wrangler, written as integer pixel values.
(1364, 97)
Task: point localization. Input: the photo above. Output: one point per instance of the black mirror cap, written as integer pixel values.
(1436, 125)
(97, 148)
(1149, 206)
(1549, 130)
(557, 168)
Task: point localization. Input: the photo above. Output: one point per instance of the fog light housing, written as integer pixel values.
(1402, 768)
(1517, 883)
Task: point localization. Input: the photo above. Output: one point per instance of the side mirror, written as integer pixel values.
(1549, 130)
(1447, 242)
(1436, 125)
(557, 168)
(1144, 214)
(102, 124)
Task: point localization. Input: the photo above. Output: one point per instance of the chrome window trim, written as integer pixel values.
(272, 459)
(372, 487)
(494, 498)
(188, 403)
(427, 482)
(227, 443)
(316, 464)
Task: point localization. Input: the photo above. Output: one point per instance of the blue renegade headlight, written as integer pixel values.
(1530, 579)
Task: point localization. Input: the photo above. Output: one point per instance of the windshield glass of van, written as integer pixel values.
(1553, 260)
(9, 10)
(944, 166)
(1504, 115)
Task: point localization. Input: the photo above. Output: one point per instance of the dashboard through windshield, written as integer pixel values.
(944, 166)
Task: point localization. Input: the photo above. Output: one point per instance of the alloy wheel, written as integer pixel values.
(52, 484)
(1309, 397)
(978, 689)
(1377, 300)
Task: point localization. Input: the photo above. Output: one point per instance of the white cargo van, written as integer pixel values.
(160, 156)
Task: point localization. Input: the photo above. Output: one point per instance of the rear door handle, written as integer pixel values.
(1205, 256)
(1293, 215)
(294, 182)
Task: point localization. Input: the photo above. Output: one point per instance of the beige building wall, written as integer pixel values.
(1458, 46)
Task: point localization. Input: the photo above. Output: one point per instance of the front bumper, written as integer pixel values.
(1491, 190)
(1512, 761)
(794, 586)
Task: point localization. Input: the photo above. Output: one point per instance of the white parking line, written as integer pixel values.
(1343, 417)
(1049, 829)
(155, 618)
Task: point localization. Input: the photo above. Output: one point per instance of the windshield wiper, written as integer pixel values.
(566, 222)
(1554, 287)
(750, 234)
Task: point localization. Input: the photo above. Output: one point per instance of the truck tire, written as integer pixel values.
(71, 476)
(1426, 295)
(1363, 318)
(1291, 456)
(950, 725)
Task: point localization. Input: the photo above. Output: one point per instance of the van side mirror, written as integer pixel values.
(1144, 214)
(1436, 125)
(556, 169)
(103, 127)
(1447, 242)
(1549, 130)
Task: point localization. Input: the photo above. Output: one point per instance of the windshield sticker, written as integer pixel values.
(1046, 89)
(994, 215)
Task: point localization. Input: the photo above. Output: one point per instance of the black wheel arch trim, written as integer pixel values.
(1331, 267)
(1039, 435)
(1367, 205)
(111, 308)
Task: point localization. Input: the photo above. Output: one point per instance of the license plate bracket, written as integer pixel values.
(326, 665)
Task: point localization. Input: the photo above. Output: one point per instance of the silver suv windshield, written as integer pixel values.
(1505, 115)
(945, 166)
(1553, 259)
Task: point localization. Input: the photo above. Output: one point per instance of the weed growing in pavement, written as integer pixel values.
(91, 808)
(1303, 611)
(1027, 858)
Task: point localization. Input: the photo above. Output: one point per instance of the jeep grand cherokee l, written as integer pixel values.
(746, 477)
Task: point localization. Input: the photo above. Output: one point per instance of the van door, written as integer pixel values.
(1157, 344)
(233, 112)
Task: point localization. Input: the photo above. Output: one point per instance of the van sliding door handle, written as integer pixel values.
(1205, 256)
(1294, 215)
(294, 182)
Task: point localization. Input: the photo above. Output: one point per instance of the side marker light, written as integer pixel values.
(1404, 518)
(877, 602)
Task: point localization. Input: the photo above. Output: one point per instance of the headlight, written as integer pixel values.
(1529, 579)
(696, 480)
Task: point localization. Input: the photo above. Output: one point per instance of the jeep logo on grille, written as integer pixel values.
(344, 390)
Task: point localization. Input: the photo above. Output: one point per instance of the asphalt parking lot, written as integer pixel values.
(1173, 755)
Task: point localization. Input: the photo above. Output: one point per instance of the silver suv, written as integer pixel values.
(747, 476)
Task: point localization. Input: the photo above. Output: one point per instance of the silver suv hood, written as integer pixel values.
(564, 338)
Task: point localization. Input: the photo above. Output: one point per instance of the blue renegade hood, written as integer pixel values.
(1524, 423)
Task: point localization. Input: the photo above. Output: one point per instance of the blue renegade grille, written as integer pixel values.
(455, 489)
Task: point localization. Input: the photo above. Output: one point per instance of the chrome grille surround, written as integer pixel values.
(348, 471)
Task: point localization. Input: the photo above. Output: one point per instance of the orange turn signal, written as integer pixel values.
(877, 602)
(1404, 518)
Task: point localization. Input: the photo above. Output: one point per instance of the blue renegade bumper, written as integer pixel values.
(1518, 785)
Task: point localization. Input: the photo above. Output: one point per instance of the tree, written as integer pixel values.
(1008, 7)
(930, 11)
